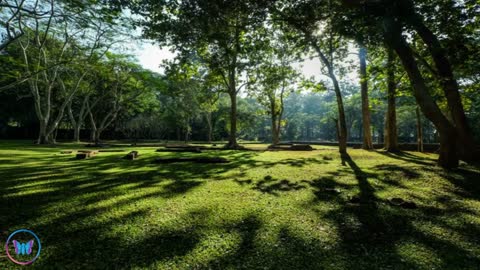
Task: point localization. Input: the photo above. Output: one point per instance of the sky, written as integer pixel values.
(150, 56)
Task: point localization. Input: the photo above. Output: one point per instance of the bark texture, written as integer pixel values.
(391, 133)
(367, 133)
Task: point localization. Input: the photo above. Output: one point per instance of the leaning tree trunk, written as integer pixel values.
(342, 125)
(94, 129)
(419, 130)
(367, 133)
(76, 125)
(391, 135)
(466, 145)
(342, 129)
(448, 137)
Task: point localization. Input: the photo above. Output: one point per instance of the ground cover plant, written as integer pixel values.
(263, 210)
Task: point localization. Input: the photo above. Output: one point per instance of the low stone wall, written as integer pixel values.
(429, 147)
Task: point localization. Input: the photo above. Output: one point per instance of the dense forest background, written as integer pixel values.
(308, 117)
(391, 72)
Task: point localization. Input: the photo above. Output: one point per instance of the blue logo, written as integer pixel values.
(24, 249)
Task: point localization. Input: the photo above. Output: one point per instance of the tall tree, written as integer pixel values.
(306, 18)
(222, 33)
(391, 135)
(390, 15)
(367, 133)
(274, 83)
(450, 87)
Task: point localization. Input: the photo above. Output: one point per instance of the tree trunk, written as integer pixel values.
(419, 130)
(448, 139)
(98, 133)
(42, 135)
(94, 130)
(391, 133)
(466, 146)
(232, 139)
(54, 136)
(385, 130)
(75, 125)
(275, 131)
(210, 128)
(342, 130)
(367, 133)
(76, 134)
(186, 134)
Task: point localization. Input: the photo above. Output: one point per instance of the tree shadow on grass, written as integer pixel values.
(93, 246)
(273, 186)
(465, 180)
(326, 189)
(270, 185)
(405, 156)
(289, 251)
(297, 162)
(371, 231)
(392, 170)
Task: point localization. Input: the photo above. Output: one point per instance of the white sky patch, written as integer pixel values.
(150, 56)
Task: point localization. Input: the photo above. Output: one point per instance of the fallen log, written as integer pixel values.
(194, 160)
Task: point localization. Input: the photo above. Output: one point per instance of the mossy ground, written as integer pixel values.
(264, 210)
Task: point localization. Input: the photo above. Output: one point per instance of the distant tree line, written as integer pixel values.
(233, 75)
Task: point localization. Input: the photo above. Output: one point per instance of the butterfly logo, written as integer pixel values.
(23, 248)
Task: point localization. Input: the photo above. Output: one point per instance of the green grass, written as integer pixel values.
(264, 210)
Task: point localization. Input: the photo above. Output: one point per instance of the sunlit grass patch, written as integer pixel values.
(263, 210)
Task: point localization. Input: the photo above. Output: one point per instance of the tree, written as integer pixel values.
(306, 18)
(466, 145)
(51, 46)
(391, 135)
(274, 83)
(367, 133)
(221, 33)
(12, 14)
(390, 15)
(122, 88)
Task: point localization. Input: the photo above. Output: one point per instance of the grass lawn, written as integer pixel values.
(264, 210)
